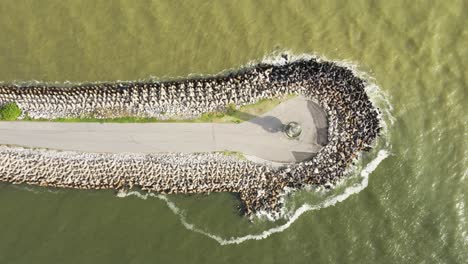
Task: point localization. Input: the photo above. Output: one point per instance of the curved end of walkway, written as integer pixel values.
(274, 145)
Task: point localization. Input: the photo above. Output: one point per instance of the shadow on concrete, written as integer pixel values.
(322, 136)
(302, 156)
(320, 119)
(268, 123)
(274, 125)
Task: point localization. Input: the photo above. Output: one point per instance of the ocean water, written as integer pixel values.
(405, 202)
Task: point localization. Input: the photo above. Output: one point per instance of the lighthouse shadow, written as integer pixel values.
(270, 124)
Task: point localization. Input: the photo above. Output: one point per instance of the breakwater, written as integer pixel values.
(353, 125)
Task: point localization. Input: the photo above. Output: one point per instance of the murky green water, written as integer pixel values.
(414, 209)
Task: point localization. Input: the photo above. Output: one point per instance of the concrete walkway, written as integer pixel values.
(261, 136)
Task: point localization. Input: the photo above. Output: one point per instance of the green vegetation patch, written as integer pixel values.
(235, 154)
(248, 112)
(230, 115)
(244, 113)
(10, 112)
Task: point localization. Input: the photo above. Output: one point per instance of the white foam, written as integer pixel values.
(377, 96)
(365, 173)
(461, 227)
(382, 154)
(123, 194)
(35, 190)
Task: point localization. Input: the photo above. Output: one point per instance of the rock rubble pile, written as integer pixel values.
(353, 125)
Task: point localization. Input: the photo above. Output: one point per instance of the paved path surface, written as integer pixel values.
(261, 136)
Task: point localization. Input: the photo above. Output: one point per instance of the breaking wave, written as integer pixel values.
(382, 154)
(378, 98)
